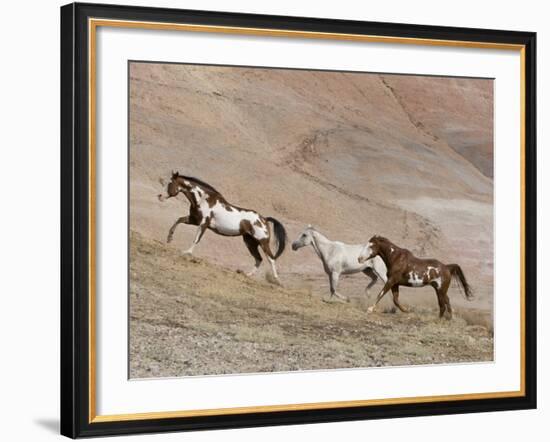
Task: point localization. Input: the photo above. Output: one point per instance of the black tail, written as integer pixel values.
(280, 235)
(458, 275)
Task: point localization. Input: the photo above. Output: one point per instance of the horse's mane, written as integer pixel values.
(389, 243)
(199, 182)
(383, 239)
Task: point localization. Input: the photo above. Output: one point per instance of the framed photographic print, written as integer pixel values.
(278, 220)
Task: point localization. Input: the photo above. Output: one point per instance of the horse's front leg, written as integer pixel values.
(333, 278)
(200, 232)
(395, 293)
(387, 286)
(182, 220)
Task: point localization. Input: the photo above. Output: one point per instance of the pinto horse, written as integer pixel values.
(210, 210)
(339, 258)
(406, 269)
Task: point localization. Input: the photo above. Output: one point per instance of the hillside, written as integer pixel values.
(191, 317)
(353, 154)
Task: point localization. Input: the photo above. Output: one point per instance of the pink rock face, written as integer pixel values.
(458, 111)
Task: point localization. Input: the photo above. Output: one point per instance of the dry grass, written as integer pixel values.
(190, 317)
(477, 318)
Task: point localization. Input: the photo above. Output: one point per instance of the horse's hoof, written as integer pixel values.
(370, 310)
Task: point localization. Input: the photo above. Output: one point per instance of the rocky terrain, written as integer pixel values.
(353, 154)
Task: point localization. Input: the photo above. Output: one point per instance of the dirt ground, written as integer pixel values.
(190, 317)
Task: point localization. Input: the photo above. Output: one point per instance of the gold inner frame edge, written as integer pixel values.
(93, 24)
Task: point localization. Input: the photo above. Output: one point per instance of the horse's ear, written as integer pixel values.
(309, 226)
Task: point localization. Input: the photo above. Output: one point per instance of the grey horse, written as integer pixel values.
(339, 258)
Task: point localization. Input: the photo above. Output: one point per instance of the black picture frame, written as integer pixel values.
(75, 219)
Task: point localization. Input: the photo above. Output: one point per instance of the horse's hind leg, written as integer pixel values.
(395, 293)
(444, 303)
(379, 268)
(448, 305)
(252, 246)
(264, 244)
(441, 302)
(373, 279)
(446, 300)
(443, 299)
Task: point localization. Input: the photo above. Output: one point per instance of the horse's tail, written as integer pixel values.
(280, 235)
(458, 275)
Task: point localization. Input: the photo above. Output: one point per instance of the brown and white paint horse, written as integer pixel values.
(210, 210)
(407, 270)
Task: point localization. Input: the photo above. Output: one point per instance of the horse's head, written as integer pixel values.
(305, 238)
(172, 189)
(370, 249)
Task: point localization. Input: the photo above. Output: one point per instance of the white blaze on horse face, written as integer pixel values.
(415, 280)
